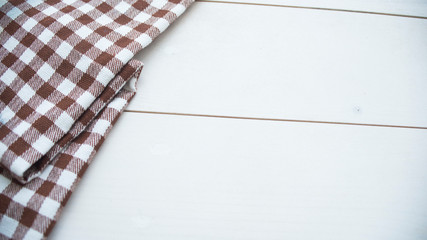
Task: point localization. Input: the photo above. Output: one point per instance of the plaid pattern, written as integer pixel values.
(66, 74)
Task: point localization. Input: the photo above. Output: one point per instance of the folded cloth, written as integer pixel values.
(66, 74)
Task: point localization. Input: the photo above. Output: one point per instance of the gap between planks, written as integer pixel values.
(274, 119)
(314, 8)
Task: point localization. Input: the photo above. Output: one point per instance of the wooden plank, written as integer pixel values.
(251, 61)
(414, 8)
(175, 177)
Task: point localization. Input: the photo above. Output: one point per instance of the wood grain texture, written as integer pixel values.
(270, 62)
(409, 8)
(177, 177)
(161, 176)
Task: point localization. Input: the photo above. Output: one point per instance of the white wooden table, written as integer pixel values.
(278, 119)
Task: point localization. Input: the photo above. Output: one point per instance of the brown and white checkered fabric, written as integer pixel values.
(66, 74)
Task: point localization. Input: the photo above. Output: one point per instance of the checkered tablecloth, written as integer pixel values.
(66, 74)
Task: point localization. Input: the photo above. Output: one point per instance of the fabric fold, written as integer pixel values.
(110, 92)
(38, 203)
(66, 74)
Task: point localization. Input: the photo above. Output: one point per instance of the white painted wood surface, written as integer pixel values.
(162, 176)
(176, 177)
(254, 61)
(399, 7)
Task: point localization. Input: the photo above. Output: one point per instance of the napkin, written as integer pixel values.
(66, 74)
